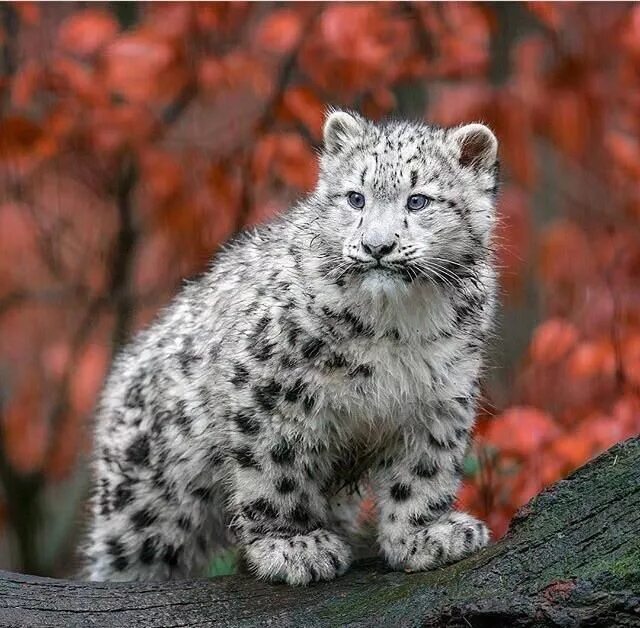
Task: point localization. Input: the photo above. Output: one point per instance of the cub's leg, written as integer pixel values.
(418, 529)
(281, 517)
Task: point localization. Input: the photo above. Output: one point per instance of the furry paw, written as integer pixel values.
(447, 540)
(299, 560)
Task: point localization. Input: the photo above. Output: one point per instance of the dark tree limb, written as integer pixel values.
(571, 558)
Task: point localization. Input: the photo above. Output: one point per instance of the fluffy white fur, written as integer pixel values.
(300, 366)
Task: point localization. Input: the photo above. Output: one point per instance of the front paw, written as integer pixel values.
(299, 560)
(446, 540)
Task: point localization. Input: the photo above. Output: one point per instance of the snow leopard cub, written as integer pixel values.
(338, 343)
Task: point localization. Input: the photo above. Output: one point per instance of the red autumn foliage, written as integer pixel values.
(133, 141)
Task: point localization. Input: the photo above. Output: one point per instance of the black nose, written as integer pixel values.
(378, 251)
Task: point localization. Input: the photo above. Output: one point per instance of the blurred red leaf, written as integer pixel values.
(142, 67)
(551, 14)
(521, 430)
(592, 359)
(625, 151)
(304, 105)
(552, 341)
(26, 81)
(294, 162)
(631, 359)
(19, 137)
(280, 31)
(86, 32)
(29, 12)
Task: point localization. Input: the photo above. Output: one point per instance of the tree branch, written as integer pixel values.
(571, 558)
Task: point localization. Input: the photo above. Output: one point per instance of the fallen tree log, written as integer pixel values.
(570, 558)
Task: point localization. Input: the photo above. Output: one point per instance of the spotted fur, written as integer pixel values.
(328, 347)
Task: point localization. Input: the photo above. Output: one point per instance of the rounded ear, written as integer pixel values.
(477, 146)
(341, 128)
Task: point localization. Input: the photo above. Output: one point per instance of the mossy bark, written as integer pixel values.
(570, 558)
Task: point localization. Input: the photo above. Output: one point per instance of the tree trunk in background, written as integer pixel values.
(571, 558)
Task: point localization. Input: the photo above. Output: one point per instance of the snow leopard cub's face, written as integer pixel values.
(405, 202)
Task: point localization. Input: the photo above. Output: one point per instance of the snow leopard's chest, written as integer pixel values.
(388, 379)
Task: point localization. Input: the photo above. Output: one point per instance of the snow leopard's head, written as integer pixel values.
(404, 201)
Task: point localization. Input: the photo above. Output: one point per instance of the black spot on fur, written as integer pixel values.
(393, 333)
(148, 551)
(287, 361)
(283, 452)
(336, 361)
(308, 402)
(215, 457)
(203, 493)
(426, 468)
(184, 523)
(187, 359)
(143, 518)
(286, 485)
(414, 178)
(261, 326)
(105, 507)
(158, 480)
(334, 560)
(357, 326)
(468, 537)
(138, 452)
(259, 345)
(116, 550)
(214, 351)
(245, 457)
(122, 495)
(465, 402)
(464, 312)
(301, 515)
(442, 443)
(267, 396)
(263, 351)
(442, 505)
(293, 393)
(247, 423)
(134, 397)
(293, 334)
(461, 432)
(312, 348)
(420, 521)
(439, 550)
(260, 508)
(400, 492)
(240, 375)
(363, 370)
(181, 417)
(161, 417)
(171, 555)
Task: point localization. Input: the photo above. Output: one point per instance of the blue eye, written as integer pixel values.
(416, 202)
(356, 200)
